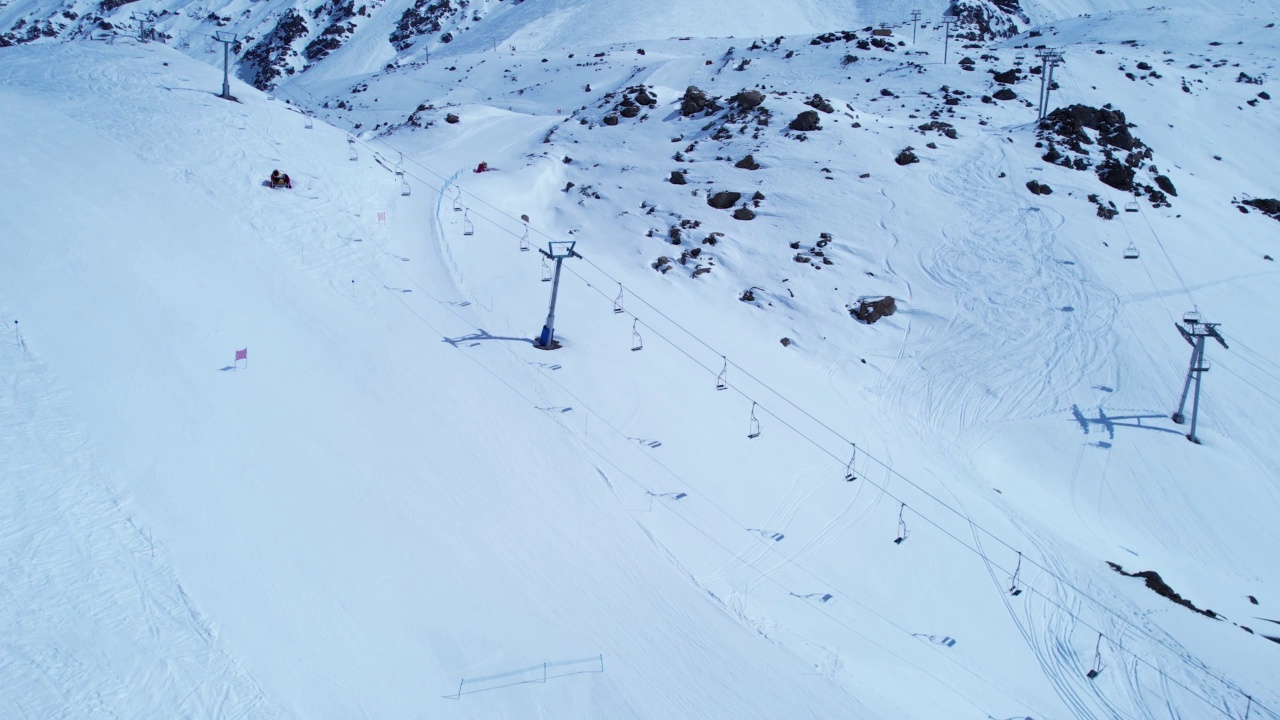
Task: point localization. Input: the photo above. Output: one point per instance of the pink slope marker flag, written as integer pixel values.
(242, 355)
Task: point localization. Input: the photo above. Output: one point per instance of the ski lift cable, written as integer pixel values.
(1067, 74)
(977, 551)
(771, 576)
(891, 471)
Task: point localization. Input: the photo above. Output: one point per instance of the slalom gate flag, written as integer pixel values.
(242, 354)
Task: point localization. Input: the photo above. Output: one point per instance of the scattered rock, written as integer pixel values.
(677, 177)
(610, 119)
(1039, 188)
(1004, 94)
(747, 163)
(906, 157)
(786, 342)
(744, 213)
(452, 119)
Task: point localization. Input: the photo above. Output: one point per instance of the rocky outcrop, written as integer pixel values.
(423, 17)
(869, 310)
(274, 55)
(982, 20)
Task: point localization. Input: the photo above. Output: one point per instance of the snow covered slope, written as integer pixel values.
(400, 508)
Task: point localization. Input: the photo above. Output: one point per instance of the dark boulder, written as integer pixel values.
(906, 157)
(452, 119)
(644, 98)
(872, 309)
(677, 177)
(724, 199)
(817, 102)
(744, 213)
(1164, 183)
(748, 99)
(695, 101)
(1004, 94)
(806, 122)
(1039, 188)
(747, 163)
(1008, 77)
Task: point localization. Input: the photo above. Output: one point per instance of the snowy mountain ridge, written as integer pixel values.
(403, 509)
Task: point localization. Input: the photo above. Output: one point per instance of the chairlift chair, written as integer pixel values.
(1131, 252)
(617, 303)
(1131, 207)
(354, 155)
(902, 526)
(467, 227)
(457, 201)
(546, 271)
(849, 475)
(753, 428)
(405, 188)
(722, 382)
(308, 124)
(1191, 317)
(637, 343)
(524, 240)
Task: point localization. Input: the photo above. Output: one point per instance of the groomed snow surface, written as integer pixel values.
(398, 507)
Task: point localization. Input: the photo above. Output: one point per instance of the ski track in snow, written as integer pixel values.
(89, 585)
(1019, 305)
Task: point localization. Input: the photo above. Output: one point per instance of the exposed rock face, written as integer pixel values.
(981, 20)
(1267, 205)
(422, 18)
(1109, 124)
(724, 199)
(1116, 174)
(273, 55)
(872, 309)
(806, 121)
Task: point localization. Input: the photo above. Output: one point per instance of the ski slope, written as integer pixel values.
(399, 508)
